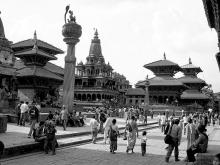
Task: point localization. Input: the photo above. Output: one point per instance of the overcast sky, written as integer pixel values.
(132, 32)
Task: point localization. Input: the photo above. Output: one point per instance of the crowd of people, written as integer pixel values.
(193, 126)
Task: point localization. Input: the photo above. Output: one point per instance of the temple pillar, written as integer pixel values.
(71, 32)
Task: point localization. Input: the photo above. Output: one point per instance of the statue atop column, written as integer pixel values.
(71, 32)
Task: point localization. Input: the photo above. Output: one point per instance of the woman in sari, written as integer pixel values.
(132, 131)
(113, 133)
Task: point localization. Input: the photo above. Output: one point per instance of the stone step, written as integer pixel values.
(87, 138)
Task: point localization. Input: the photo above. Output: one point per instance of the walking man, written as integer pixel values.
(94, 129)
(64, 117)
(34, 114)
(176, 133)
(24, 110)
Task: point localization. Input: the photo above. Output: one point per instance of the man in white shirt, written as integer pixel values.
(24, 109)
(163, 122)
(94, 129)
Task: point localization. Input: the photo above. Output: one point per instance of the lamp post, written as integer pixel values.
(71, 32)
(146, 99)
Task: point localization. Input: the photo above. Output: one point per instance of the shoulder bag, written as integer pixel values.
(168, 138)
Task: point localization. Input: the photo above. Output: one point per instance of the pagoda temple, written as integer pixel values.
(7, 72)
(96, 82)
(164, 88)
(195, 84)
(37, 78)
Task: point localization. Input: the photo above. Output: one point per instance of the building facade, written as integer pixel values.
(95, 83)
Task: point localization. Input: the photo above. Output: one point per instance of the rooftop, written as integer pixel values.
(190, 79)
(37, 72)
(161, 81)
(30, 43)
(135, 91)
(193, 94)
(49, 66)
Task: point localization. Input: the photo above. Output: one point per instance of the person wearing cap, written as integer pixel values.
(200, 145)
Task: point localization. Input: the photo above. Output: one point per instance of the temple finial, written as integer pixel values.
(190, 61)
(147, 77)
(35, 35)
(164, 56)
(96, 33)
(35, 40)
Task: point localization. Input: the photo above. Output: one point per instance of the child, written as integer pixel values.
(143, 142)
(216, 160)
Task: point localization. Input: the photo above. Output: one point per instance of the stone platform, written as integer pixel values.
(17, 142)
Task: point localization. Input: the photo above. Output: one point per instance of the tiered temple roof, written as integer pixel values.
(164, 71)
(34, 55)
(190, 79)
(163, 67)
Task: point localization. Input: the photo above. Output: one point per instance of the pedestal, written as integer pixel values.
(3, 123)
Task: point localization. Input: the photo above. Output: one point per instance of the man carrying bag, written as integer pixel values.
(173, 138)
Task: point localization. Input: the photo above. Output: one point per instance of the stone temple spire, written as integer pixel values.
(95, 47)
(2, 32)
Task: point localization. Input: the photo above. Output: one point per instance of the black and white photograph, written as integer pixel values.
(110, 82)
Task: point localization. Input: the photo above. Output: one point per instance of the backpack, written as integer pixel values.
(102, 117)
(50, 130)
(33, 111)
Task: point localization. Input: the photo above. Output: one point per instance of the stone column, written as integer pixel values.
(71, 32)
(146, 99)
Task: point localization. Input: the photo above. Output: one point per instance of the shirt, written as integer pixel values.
(163, 119)
(144, 139)
(107, 123)
(64, 114)
(176, 132)
(24, 108)
(184, 119)
(93, 123)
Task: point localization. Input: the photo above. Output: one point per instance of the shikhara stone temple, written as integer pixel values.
(95, 81)
(164, 89)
